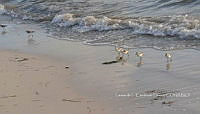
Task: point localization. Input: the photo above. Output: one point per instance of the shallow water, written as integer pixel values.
(160, 24)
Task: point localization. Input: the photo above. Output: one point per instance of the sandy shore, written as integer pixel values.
(89, 80)
(37, 85)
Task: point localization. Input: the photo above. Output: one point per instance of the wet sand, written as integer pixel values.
(118, 85)
(37, 85)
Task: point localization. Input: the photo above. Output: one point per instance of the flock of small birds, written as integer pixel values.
(122, 52)
(29, 32)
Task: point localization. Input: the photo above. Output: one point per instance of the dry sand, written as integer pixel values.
(37, 85)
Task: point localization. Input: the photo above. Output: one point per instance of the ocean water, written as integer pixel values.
(159, 24)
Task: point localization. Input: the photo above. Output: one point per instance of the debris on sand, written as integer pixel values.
(169, 103)
(66, 67)
(70, 100)
(118, 59)
(110, 62)
(21, 59)
(37, 93)
(8, 96)
(36, 100)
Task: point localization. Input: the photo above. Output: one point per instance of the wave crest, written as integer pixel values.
(88, 23)
(65, 20)
(177, 26)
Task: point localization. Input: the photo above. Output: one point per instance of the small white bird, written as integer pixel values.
(30, 33)
(3, 27)
(118, 49)
(169, 57)
(125, 51)
(139, 54)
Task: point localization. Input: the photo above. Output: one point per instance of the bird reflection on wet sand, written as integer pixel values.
(168, 66)
(32, 42)
(3, 32)
(140, 63)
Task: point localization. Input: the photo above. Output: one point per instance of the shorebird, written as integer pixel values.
(120, 55)
(124, 51)
(30, 33)
(169, 57)
(139, 54)
(118, 49)
(3, 27)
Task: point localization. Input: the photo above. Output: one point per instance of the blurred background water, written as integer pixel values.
(159, 24)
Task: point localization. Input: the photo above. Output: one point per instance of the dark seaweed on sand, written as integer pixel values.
(110, 62)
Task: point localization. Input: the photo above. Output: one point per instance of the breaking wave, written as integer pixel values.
(156, 23)
(181, 26)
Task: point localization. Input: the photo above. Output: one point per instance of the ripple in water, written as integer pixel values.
(159, 24)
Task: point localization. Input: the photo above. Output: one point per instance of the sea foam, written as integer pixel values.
(65, 20)
(176, 26)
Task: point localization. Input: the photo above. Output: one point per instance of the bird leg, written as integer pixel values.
(168, 66)
(4, 29)
(170, 59)
(140, 62)
(140, 59)
(30, 36)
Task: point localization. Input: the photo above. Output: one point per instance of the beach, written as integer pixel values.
(37, 85)
(47, 75)
(34, 83)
